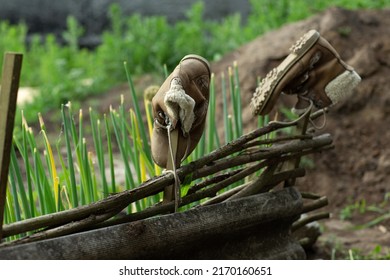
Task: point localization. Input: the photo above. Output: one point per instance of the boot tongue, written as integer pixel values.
(180, 106)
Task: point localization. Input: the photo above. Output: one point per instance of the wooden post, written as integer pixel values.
(300, 130)
(8, 94)
(171, 191)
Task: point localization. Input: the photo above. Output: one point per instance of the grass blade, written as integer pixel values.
(51, 162)
(145, 141)
(28, 170)
(10, 215)
(141, 164)
(87, 173)
(65, 120)
(14, 191)
(129, 177)
(110, 155)
(211, 125)
(38, 185)
(97, 139)
(225, 112)
(237, 100)
(21, 188)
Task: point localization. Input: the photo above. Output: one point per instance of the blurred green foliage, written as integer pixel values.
(66, 72)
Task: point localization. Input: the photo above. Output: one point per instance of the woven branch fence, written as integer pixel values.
(249, 165)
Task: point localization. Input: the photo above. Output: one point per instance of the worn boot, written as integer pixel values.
(313, 70)
(181, 103)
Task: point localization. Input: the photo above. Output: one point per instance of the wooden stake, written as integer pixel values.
(8, 94)
(170, 191)
(300, 130)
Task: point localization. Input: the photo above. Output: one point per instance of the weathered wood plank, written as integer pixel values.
(254, 227)
(8, 94)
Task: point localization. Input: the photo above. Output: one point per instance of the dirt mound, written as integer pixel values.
(359, 166)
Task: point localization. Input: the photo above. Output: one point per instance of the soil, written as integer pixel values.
(355, 175)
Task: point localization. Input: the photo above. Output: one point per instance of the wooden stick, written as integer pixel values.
(318, 113)
(67, 216)
(190, 198)
(256, 184)
(275, 140)
(8, 95)
(276, 179)
(232, 147)
(308, 219)
(301, 130)
(171, 192)
(298, 147)
(315, 204)
(63, 230)
(308, 195)
(210, 181)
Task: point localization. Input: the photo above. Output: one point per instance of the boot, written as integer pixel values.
(181, 103)
(313, 70)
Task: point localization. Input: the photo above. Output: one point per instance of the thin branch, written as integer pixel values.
(308, 219)
(266, 153)
(211, 192)
(231, 148)
(122, 199)
(63, 230)
(276, 140)
(316, 204)
(225, 195)
(319, 113)
(258, 184)
(211, 181)
(310, 195)
(273, 181)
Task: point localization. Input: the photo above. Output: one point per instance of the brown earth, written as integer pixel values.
(358, 169)
(355, 175)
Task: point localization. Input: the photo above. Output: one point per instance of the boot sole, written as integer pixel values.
(264, 98)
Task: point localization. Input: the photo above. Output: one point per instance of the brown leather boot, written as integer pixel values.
(181, 103)
(313, 70)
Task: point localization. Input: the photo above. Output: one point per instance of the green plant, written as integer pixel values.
(357, 207)
(378, 253)
(12, 37)
(65, 72)
(80, 169)
(360, 207)
(339, 252)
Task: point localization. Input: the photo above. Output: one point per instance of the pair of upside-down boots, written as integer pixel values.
(313, 71)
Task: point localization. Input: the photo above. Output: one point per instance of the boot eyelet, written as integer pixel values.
(161, 119)
(161, 115)
(316, 57)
